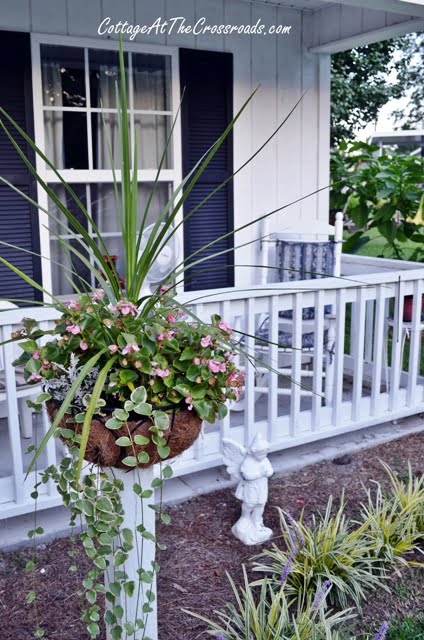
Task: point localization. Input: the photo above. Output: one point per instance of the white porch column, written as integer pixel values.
(136, 512)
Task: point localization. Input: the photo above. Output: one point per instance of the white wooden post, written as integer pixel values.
(143, 553)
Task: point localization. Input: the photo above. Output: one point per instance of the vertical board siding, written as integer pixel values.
(84, 17)
(15, 15)
(175, 9)
(147, 13)
(289, 72)
(243, 145)
(44, 20)
(213, 12)
(324, 108)
(310, 125)
(264, 115)
(119, 11)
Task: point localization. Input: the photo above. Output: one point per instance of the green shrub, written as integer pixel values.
(268, 614)
(331, 549)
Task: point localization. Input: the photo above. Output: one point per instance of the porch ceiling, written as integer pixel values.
(409, 8)
(310, 5)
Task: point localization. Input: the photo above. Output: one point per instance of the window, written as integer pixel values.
(79, 131)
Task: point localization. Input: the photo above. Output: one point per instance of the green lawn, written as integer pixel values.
(377, 246)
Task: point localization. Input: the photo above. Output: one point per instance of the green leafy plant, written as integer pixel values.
(379, 191)
(330, 549)
(409, 628)
(408, 494)
(169, 356)
(390, 522)
(266, 614)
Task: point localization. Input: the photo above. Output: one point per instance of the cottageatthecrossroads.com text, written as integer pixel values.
(180, 25)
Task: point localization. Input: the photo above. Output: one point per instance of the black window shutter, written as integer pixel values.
(207, 109)
(18, 218)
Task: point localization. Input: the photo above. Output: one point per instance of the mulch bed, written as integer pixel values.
(201, 549)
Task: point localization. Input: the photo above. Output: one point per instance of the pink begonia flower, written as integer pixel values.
(130, 348)
(111, 307)
(229, 356)
(206, 341)
(196, 361)
(189, 400)
(171, 318)
(113, 347)
(126, 308)
(35, 377)
(160, 337)
(165, 288)
(214, 366)
(97, 295)
(224, 326)
(36, 355)
(72, 304)
(83, 345)
(74, 329)
(162, 373)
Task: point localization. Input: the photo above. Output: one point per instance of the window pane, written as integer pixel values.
(152, 82)
(102, 206)
(62, 71)
(66, 139)
(105, 134)
(105, 213)
(152, 133)
(104, 210)
(81, 192)
(104, 74)
(70, 268)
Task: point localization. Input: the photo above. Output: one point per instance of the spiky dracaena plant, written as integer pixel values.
(265, 614)
(330, 549)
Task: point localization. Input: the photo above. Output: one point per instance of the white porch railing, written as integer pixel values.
(357, 374)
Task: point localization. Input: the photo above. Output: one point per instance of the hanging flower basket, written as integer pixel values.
(103, 450)
(135, 388)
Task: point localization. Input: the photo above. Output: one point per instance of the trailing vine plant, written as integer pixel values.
(95, 498)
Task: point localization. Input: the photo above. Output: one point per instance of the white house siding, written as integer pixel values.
(293, 164)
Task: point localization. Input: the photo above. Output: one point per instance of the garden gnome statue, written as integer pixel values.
(252, 467)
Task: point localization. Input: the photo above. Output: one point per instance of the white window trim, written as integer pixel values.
(173, 176)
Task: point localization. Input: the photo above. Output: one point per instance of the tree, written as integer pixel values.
(359, 86)
(410, 75)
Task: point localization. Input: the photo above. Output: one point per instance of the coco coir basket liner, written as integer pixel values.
(184, 428)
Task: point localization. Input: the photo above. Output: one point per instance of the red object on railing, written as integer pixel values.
(407, 307)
